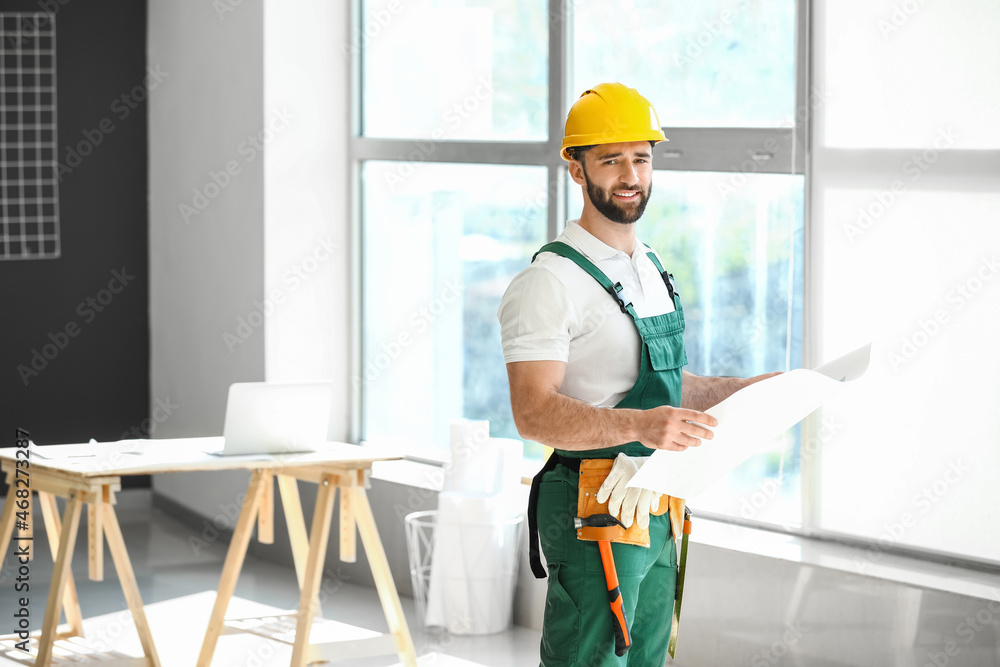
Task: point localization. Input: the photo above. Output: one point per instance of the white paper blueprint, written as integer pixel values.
(749, 421)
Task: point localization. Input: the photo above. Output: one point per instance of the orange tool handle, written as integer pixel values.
(623, 640)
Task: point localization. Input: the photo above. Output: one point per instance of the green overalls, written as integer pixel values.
(577, 628)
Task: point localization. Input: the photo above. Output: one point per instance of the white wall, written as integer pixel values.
(205, 271)
(206, 261)
(255, 119)
(307, 267)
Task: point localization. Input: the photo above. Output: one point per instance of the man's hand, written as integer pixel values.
(701, 393)
(671, 428)
(631, 504)
(758, 378)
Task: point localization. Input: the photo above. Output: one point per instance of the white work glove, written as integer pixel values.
(631, 504)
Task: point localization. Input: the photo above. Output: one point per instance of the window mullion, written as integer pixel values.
(559, 63)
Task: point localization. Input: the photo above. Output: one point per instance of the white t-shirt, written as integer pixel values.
(555, 311)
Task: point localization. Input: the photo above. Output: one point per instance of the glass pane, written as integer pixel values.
(734, 244)
(440, 248)
(908, 75)
(719, 63)
(913, 459)
(454, 69)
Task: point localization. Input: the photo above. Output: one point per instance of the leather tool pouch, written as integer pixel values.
(592, 474)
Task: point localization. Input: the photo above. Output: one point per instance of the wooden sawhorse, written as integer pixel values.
(64, 645)
(309, 555)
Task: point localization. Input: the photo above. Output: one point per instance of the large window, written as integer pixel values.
(459, 118)
(446, 70)
(906, 189)
(440, 247)
(724, 63)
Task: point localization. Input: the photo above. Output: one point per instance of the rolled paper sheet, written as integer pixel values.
(507, 455)
(749, 421)
(475, 563)
(471, 585)
(467, 472)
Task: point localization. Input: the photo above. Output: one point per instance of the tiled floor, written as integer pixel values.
(753, 614)
(177, 578)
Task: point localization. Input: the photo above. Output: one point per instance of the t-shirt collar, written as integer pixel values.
(590, 245)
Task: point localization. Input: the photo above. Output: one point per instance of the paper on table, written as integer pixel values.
(88, 450)
(748, 421)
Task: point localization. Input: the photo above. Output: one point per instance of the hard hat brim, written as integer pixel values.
(577, 140)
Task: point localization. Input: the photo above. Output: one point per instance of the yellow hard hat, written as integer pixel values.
(607, 114)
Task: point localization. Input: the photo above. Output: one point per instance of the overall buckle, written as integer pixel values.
(613, 291)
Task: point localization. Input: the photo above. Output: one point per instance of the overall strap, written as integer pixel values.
(668, 279)
(656, 261)
(564, 250)
(534, 554)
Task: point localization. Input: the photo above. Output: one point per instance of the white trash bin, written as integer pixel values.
(467, 588)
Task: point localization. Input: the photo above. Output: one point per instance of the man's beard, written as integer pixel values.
(604, 202)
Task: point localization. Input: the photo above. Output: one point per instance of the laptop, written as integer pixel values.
(276, 418)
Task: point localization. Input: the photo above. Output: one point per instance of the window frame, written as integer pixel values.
(777, 150)
(690, 149)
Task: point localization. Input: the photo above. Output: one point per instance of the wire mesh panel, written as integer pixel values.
(29, 210)
(420, 542)
(463, 572)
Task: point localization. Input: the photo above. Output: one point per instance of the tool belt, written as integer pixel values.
(592, 474)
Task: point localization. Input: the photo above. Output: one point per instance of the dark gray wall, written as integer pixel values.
(97, 385)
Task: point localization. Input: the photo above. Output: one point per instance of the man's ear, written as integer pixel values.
(576, 172)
